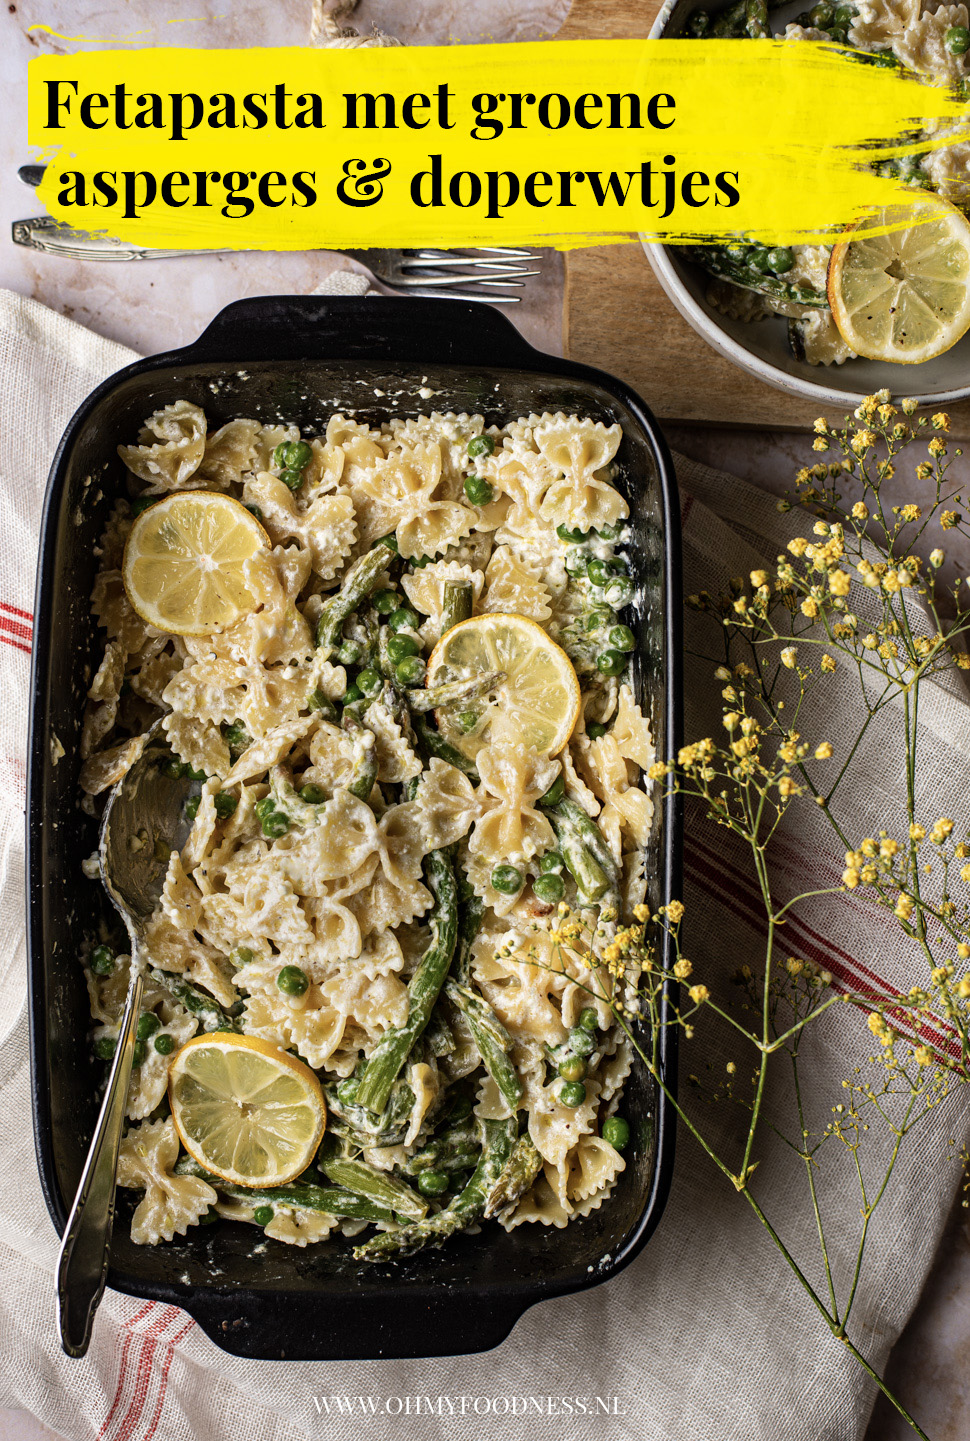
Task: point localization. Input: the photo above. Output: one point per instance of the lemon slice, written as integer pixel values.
(184, 563)
(905, 296)
(540, 693)
(246, 1110)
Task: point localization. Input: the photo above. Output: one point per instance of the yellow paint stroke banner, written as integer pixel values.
(561, 143)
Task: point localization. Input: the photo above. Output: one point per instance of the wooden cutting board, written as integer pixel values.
(618, 318)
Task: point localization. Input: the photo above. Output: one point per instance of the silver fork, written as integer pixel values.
(491, 273)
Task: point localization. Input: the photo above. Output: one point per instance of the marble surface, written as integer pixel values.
(134, 304)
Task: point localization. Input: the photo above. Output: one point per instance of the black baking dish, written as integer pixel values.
(301, 358)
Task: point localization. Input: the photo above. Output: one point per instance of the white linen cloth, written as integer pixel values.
(706, 1337)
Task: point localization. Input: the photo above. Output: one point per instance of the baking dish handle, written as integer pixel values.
(354, 327)
(382, 1326)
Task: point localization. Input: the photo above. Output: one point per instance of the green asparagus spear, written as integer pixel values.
(756, 25)
(456, 603)
(518, 1173)
(364, 772)
(421, 701)
(213, 1016)
(456, 1148)
(464, 1210)
(492, 1039)
(588, 858)
(360, 580)
(379, 1186)
(435, 744)
(469, 924)
(354, 1123)
(393, 1049)
(717, 260)
(332, 1200)
(729, 25)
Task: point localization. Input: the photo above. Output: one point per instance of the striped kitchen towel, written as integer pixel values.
(706, 1337)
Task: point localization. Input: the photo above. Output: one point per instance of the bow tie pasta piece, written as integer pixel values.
(514, 587)
(631, 731)
(447, 804)
(229, 455)
(523, 479)
(578, 450)
(108, 767)
(297, 1227)
(425, 590)
(170, 448)
(274, 747)
(268, 437)
(878, 23)
(402, 492)
(623, 805)
(510, 829)
(522, 986)
(324, 470)
(171, 1204)
(451, 433)
(326, 527)
(396, 761)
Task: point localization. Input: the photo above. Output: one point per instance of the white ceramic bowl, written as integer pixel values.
(761, 348)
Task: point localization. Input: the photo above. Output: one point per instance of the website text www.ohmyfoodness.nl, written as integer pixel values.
(466, 1405)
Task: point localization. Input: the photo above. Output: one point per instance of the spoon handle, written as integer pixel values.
(83, 1262)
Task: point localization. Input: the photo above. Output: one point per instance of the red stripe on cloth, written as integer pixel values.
(163, 1377)
(123, 1365)
(17, 645)
(686, 509)
(815, 947)
(16, 627)
(144, 1372)
(15, 610)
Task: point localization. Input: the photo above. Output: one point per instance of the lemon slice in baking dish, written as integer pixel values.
(245, 1110)
(905, 296)
(539, 695)
(184, 567)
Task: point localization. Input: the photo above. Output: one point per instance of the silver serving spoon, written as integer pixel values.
(143, 823)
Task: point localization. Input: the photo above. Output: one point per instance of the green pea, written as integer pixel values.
(192, 807)
(208, 1218)
(410, 671)
(551, 863)
(293, 981)
(478, 490)
(758, 260)
(599, 617)
(555, 793)
(573, 1068)
(314, 795)
(594, 730)
(142, 502)
(241, 956)
(272, 822)
(404, 619)
(399, 647)
(433, 1183)
(571, 537)
(507, 880)
(611, 662)
(165, 1044)
(174, 769)
(292, 478)
(781, 259)
(481, 445)
(418, 562)
(588, 1019)
(148, 1024)
(581, 1041)
(576, 563)
(102, 960)
(390, 540)
(619, 592)
(385, 601)
(292, 455)
(468, 720)
(461, 1108)
(225, 803)
(369, 681)
(138, 1054)
(105, 1047)
(621, 637)
(600, 572)
(821, 15)
(351, 694)
(572, 1094)
(236, 736)
(263, 1215)
(616, 1132)
(738, 252)
(957, 40)
(548, 889)
(254, 510)
(347, 1091)
(196, 775)
(349, 652)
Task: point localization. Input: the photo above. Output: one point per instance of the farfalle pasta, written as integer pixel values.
(372, 875)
